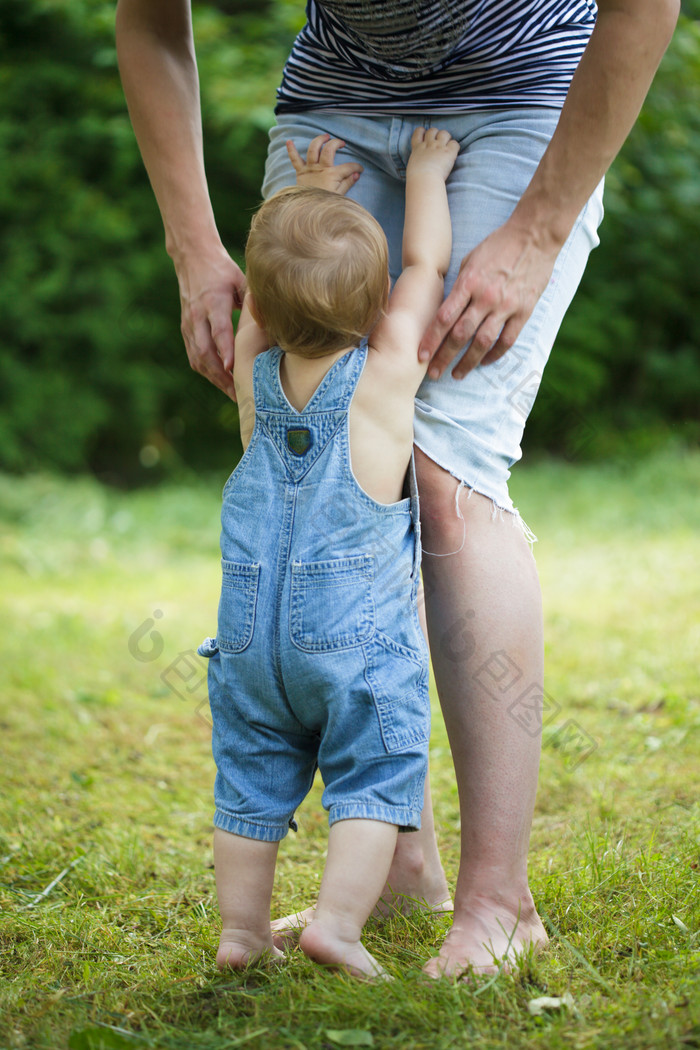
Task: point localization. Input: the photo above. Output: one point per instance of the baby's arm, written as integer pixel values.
(319, 171)
(427, 244)
(251, 340)
(427, 230)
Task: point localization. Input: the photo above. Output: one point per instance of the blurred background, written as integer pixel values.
(93, 374)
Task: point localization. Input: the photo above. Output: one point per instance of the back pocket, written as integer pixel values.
(239, 592)
(331, 605)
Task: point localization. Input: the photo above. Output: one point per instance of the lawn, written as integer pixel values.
(109, 923)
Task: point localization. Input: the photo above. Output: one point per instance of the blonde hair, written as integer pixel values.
(317, 266)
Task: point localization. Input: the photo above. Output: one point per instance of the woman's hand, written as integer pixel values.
(211, 287)
(497, 288)
(319, 170)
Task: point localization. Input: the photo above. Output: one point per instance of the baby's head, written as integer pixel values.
(317, 267)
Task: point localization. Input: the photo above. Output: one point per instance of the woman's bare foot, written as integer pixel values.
(287, 930)
(397, 903)
(240, 948)
(486, 939)
(328, 947)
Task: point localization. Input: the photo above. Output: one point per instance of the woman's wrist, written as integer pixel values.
(200, 241)
(542, 222)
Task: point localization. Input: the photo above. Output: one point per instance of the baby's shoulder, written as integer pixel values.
(393, 370)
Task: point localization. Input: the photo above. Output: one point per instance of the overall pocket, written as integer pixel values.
(331, 605)
(239, 592)
(398, 679)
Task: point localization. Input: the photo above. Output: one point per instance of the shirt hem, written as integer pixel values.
(386, 109)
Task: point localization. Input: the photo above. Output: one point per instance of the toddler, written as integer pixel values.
(319, 660)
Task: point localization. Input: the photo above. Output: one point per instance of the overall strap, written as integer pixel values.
(301, 437)
(336, 389)
(267, 391)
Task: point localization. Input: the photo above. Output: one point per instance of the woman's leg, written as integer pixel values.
(485, 629)
(482, 592)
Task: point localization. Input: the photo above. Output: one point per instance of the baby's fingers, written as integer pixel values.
(445, 138)
(329, 150)
(440, 137)
(347, 175)
(313, 153)
(418, 136)
(297, 162)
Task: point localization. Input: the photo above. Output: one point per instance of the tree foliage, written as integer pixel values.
(93, 374)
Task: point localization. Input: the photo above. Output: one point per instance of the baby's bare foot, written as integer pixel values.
(415, 883)
(239, 949)
(326, 947)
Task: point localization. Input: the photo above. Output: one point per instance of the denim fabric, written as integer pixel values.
(319, 659)
(471, 427)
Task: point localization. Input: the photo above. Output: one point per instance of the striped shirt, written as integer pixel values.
(435, 56)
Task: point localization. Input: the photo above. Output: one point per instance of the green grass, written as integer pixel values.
(106, 782)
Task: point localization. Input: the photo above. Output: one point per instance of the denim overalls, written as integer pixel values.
(319, 659)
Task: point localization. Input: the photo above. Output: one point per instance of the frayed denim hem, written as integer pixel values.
(497, 510)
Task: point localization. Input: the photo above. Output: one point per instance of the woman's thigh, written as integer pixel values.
(470, 427)
(373, 142)
(473, 427)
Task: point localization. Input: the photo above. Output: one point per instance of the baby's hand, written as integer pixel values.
(319, 169)
(432, 150)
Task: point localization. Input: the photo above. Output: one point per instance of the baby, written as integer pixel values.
(319, 660)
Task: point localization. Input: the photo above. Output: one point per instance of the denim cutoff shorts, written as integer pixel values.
(471, 427)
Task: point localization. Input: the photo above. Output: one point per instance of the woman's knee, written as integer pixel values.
(442, 518)
(450, 511)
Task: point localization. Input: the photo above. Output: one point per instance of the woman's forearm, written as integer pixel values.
(501, 280)
(603, 102)
(159, 74)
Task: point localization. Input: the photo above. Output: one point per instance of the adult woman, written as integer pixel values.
(525, 207)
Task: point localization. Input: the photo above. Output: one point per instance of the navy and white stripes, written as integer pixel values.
(435, 56)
